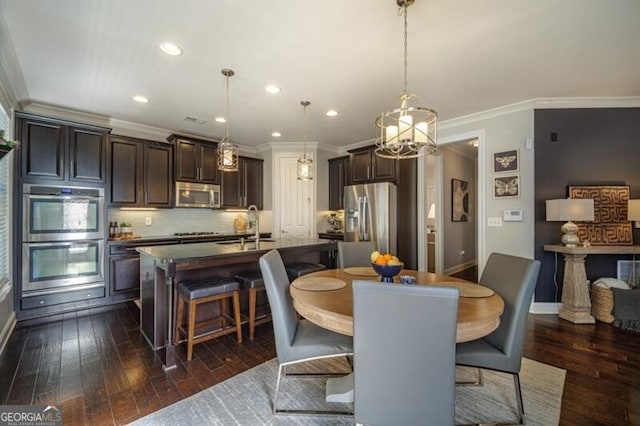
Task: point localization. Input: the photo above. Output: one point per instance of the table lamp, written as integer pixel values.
(633, 212)
(570, 209)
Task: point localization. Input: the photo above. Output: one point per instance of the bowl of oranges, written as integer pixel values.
(387, 265)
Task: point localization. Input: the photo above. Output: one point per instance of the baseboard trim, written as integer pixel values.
(461, 267)
(544, 308)
(7, 330)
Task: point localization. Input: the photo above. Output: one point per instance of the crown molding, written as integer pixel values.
(287, 146)
(543, 103)
(588, 102)
(66, 113)
(487, 114)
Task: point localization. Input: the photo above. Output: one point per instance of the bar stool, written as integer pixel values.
(195, 293)
(298, 269)
(252, 282)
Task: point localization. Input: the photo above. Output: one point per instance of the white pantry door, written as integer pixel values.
(295, 199)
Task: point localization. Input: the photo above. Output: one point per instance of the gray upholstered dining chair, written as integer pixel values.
(297, 341)
(514, 279)
(404, 353)
(355, 253)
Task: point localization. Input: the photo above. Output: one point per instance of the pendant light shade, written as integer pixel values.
(227, 151)
(406, 132)
(305, 164)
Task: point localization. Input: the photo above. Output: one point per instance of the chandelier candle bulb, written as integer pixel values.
(422, 130)
(406, 122)
(391, 135)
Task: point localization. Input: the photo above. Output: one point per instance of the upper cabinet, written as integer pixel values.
(243, 188)
(195, 160)
(141, 173)
(53, 149)
(338, 178)
(367, 167)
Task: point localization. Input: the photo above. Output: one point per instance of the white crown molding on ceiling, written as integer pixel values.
(127, 128)
(543, 103)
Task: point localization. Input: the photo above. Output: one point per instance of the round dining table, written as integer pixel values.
(326, 299)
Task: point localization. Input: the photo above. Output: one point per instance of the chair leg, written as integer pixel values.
(179, 315)
(282, 374)
(478, 382)
(191, 331)
(236, 314)
(222, 304)
(252, 311)
(516, 383)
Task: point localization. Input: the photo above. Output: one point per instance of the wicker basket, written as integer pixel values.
(602, 303)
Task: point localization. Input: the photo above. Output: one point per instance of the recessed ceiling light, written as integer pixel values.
(272, 89)
(171, 49)
(332, 113)
(141, 99)
(220, 120)
(276, 134)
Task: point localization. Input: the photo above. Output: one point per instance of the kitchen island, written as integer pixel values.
(163, 267)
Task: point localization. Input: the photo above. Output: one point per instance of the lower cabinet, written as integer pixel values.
(124, 272)
(124, 268)
(90, 292)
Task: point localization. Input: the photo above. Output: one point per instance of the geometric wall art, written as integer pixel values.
(610, 225)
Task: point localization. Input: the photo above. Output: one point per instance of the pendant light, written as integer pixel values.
(406, 132)
(227, 151)
(305, 164)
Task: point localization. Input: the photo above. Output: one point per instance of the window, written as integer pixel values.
(5, 210)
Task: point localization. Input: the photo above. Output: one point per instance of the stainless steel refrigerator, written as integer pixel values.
(370, 215)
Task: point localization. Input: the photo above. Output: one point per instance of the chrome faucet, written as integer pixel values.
(256, 221)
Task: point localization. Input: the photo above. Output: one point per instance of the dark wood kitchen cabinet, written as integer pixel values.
(195, 160)
(53, 149)
(243, 188)
(367, 167)
(141, 173)
(338, 178)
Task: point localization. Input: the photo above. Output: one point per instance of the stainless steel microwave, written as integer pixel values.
(199, 195)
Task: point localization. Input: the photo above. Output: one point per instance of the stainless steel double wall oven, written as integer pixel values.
(63, 239)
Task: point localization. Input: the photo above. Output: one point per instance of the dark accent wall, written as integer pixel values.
(594, 146)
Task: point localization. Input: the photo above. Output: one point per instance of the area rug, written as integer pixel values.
(245, 399)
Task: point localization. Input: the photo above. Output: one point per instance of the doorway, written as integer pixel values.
(453, 242)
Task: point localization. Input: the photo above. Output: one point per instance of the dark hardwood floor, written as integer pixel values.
(100, 369)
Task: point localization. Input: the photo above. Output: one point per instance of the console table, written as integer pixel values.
(576, 303)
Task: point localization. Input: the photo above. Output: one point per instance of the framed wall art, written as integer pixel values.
(610, 225)
(506, 186)
(506, 161)
(459, 200)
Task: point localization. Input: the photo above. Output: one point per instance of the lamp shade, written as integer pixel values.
(633, 212)
(570, 209)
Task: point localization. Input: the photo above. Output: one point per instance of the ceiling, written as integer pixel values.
(465, 56)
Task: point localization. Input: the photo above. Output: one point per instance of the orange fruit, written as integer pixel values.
(381, 260)
(388, 256)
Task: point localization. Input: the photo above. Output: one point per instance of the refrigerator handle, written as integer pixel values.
(364, 218)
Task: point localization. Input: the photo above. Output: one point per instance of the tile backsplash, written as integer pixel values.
(170, 221)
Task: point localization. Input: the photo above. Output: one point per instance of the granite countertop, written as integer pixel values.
(188, 252)
(183, 238)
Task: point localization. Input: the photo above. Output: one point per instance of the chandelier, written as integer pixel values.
(227, 151)
(305, 164)
(406, 132)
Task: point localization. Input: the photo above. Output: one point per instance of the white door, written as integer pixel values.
(295, 199)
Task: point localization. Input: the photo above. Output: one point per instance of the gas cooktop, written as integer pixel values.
(191, 234)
